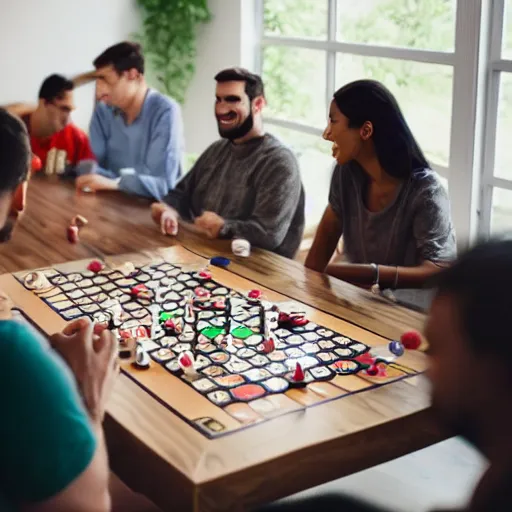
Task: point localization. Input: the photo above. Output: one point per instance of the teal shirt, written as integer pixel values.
(46, 440)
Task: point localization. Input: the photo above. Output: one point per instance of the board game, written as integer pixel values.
(246, 357)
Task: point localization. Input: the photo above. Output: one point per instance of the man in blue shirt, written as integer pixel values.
(136, 133)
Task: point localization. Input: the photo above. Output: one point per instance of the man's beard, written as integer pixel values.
(239, 131)
(6, 231)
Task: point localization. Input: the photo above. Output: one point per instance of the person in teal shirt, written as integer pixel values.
(52, 450)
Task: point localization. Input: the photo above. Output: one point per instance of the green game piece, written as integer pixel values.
(164, 315)
(212, 332)
(242, 332)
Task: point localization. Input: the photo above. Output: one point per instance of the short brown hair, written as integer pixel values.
(253, 83)
(122, 56)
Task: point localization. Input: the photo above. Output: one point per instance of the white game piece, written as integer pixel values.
(127, 269)
(155, 318)
(241, 247)
(36, 281)
(142, 360)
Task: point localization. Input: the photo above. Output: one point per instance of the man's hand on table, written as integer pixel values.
(165, 217)
(95, 183)
(91, 352)
(210, 224)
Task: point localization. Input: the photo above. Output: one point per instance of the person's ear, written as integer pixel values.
(258, 104)
(132, 74)
(19, 198)
(366, 130)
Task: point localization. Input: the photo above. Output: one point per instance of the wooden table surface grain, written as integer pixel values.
(152, 449)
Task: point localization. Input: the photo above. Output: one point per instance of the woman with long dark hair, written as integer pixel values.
(390, 207)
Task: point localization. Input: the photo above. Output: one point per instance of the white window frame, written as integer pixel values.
(463, 171)
(496, 67)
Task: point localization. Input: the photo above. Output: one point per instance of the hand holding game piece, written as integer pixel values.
(411, 340)
(95, 266)
(210, 224)
(79, 221)
(187, 362)
(241, 247)
(165, 217)
(91, 353)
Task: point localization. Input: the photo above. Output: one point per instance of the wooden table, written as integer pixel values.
(158, 454)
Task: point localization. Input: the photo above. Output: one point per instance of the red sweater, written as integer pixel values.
(71, 146)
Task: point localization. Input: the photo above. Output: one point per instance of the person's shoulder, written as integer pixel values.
(160, 103)
(16, 340)
(76, 131)
(276, 150)
(104, 111)
(427, 183)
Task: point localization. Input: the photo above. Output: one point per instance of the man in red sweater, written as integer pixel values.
(59, 144)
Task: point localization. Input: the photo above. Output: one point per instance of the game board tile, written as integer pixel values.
(256, 374)
(345, 367)
(85, 283)
(148, 345)
(259, 360)
(327, 357)
(350, 382)
(57, 298)
(358, 348)
(202, 362)
(83, 301)
(321, 373)
(142, 277)
(206, 348)
(342, 341)
(172, 297)
(181, 347)
(274, 405)
(236, 365)
(58, 280)
(203, 385)
(48, 294)
(162, 355)
(68, 287)
(90, 308)
(246, 353)
(219, 397)
(126, 282)
(92, 290)
(209, 286)
(326, 344)
(391, 374)
(276, 385)
(49, 272)
(311, 336)
(212, 332)
(229, 381)
(213, 371)
(247, 392)
(220, 291)
(173, 366)
(344, 352)
(243, 413)
(326, 389)
(70, 314)
(294, 352)
(277, 368)
(325, 333)
(100, 280)
(253, 340)
(304, 396)
(310, 348)
(76, 294)
(218, 321)
(295, 340)
(62, 305)
(241, 333)
(132, 306)
(277, 355)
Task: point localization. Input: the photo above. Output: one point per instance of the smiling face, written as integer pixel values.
(233, 110)
(116, 89)
(347, 142)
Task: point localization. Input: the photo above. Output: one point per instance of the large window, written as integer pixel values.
(436, 56)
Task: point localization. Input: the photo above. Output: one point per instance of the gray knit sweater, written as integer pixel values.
(255, 187)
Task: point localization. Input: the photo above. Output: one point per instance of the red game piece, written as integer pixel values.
(138, 290)
(411, 340)
(201, 293)
(169, 324)
(204, 274)
(37, 165)
(365, 358)
(373, 370)
(269, 346)
(72, 234)
(219, 304)
(255, 294)
(299, 321)
(185, 360)
(298, 376)
(95, 266)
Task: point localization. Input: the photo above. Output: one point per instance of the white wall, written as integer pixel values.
(226, 41)
(41, 37)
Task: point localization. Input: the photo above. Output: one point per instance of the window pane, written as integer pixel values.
(507, 31)
(424, 92)
(422, 24)
(316, 166)
(501, 215)
(295, 84)
(503, 150)
(295, 18)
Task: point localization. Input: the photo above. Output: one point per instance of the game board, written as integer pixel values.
(169, 311)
